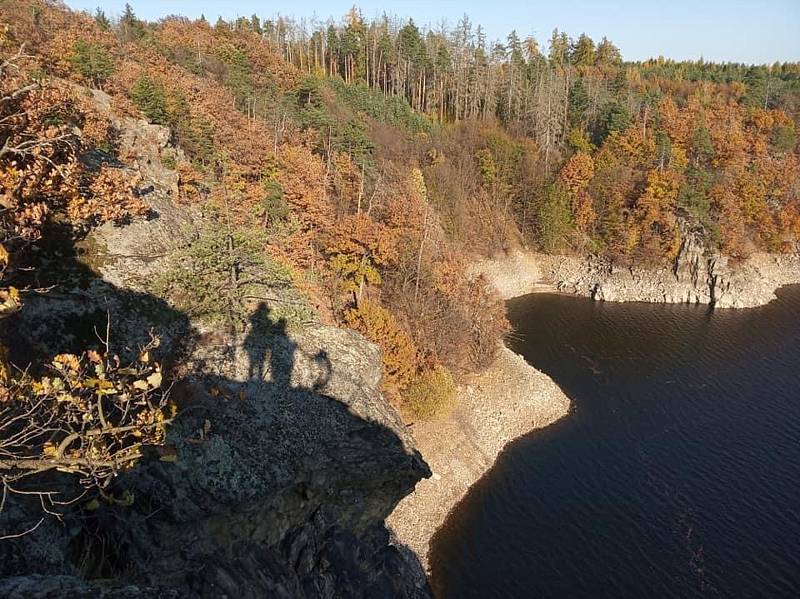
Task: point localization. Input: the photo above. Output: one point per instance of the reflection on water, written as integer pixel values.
(676, 475)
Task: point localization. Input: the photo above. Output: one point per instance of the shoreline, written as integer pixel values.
(506, 401)
(693, 279)
(511, 398)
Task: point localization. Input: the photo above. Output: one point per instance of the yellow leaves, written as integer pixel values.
(583, 211)
(354, 271)
(154, 380)
(9, 301)
(50, 450)
(399, 355)
(417, 184)
(91, 426)
(67, 362)
(101, 386)
(678, 158)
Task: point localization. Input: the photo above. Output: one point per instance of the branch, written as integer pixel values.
(72, 463)
(20, 92)
(22, 534)
(11, 62)
(26, 147)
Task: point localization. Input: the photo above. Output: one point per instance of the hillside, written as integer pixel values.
(200, 199)
(374, 160)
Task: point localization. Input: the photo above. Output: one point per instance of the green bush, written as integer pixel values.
(92, 62)
(219, 277)
(272, 208)
(151, 98)
(784, 138)
(430, 393)
(554, 218)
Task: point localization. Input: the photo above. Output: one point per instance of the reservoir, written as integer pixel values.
(676, 474)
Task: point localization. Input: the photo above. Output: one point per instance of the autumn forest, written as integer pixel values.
(367, 162)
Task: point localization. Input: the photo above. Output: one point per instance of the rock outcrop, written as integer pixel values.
(694, 277)
(278, 472)
(279, 487)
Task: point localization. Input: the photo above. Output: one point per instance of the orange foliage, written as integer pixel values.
(398, 356)
(577, 173)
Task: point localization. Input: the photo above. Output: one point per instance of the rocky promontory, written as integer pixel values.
(507, 400)
(278, 471)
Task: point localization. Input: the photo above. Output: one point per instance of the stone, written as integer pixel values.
(287, 491)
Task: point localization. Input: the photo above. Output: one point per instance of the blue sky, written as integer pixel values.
(736, 30)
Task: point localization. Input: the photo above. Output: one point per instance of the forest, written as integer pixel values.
(369, 161)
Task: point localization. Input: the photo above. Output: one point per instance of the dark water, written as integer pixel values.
(676, 475)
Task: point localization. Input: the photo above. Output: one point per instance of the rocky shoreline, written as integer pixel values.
(512, 398)
(694, 278)
(509, 399)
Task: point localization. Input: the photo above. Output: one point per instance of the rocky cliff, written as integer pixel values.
(279, 470)
(695, 277)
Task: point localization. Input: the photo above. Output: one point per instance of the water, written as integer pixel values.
(677, 474)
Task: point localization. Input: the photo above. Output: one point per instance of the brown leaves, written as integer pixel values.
(112, 198)
(399, 355)
(90, 416)
(577, 173)
(45, 130)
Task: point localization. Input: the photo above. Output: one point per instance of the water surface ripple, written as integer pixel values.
(677, 474)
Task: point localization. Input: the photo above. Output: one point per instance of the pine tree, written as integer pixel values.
(583, 52)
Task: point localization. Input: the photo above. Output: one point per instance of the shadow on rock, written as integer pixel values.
(278, 472)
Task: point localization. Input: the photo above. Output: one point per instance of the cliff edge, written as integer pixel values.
(277, 473)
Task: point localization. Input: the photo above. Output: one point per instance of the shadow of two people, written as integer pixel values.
(267, 340)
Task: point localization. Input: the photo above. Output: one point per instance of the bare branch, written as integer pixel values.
(22, 534)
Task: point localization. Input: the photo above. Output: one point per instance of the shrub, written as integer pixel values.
(92, 62)
(430, 393)
(554, 218)
(398, 355)
(88, 417)
(783, 138)
(151, 98)
(218, 276)
(272, 208)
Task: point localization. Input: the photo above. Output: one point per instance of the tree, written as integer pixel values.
(614, 117)
(358, 247)
(151, 98)
(101, 20)
(398, 355)
(583, 52)
(559, 48)
(94, 64)
(554, 218)
(607, 54)
(130, 27)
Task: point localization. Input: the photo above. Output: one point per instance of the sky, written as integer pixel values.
(761, 31)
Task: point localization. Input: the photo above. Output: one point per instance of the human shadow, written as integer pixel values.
(270, 351)
(266, 340)
(275, 483)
